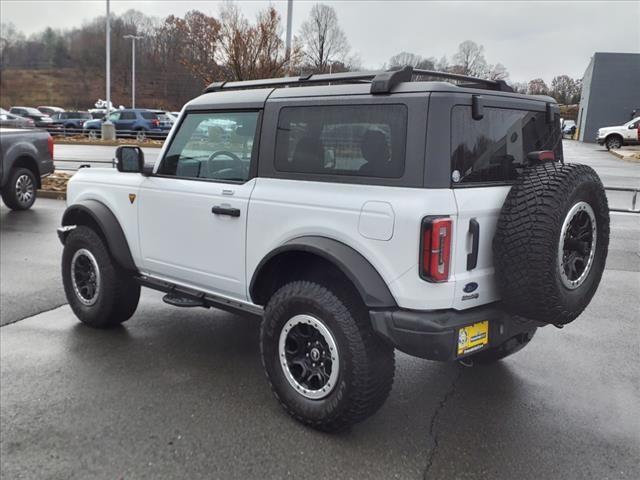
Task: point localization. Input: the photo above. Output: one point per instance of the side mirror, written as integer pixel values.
(129, 159)
(632, 126)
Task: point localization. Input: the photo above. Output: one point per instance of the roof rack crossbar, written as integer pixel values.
(288, 81)
(500, 85)
(381, 81)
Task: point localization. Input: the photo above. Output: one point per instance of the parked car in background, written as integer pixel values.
(135, 122)
(25, 157)
(568, 127)
(39, 118)
(70, 119)
(166, 118)
(97, 113)
(616, 137)
(50, 110)
(10, 120)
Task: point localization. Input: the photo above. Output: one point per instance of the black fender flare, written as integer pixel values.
(109, 228)
(368, 282)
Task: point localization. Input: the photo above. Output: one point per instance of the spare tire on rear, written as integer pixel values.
(551, 242)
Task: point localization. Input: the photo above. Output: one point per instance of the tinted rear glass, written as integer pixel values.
(149, 115)
(362, 140)
(495, 148)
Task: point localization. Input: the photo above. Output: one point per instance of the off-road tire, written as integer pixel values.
(613, 142)
(10, 191)
(505, 349)
(118, 293)
(526, 245)
(367, 363)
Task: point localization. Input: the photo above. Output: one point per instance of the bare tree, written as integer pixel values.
(412, 59)
(324, 42)
(469, 60)
(537, 86)
(201, 36)
(497, 72)
(251, 51)
(519, 87)
(565, 89)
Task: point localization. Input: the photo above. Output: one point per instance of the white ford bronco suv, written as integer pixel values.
(354, 214)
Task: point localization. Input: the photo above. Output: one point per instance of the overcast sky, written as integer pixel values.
(532, 39)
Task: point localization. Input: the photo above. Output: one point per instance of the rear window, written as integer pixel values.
(495, 148)
(149, 115)
(361, 140)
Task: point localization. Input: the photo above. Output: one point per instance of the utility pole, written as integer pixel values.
(108, 58)
(108, 129)
(288, 39)
(133, 67)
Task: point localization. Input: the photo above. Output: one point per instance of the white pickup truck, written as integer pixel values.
(616, 137)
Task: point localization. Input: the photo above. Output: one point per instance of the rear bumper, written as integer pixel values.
(434, 334)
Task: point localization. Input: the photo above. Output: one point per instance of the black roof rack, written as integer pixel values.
(381, 81)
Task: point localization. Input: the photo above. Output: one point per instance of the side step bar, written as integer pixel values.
(634, 199)
(181, 296)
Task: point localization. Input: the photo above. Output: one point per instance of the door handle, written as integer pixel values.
(474, 230)
(230, 211)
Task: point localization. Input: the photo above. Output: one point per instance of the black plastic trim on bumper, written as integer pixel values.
(433, 334)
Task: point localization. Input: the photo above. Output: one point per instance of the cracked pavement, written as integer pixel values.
(180, 393)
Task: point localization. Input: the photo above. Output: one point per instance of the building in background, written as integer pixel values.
(610, 93)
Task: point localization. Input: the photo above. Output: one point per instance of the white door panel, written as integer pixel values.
(181, 238)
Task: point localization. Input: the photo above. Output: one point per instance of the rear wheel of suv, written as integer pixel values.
(100, 293)
(551, 242)
(20, 192)
(326, 366)
(613, 142)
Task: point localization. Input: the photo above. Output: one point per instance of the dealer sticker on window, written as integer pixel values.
(473, 337)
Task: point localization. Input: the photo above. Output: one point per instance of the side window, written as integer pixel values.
(149, 115)
(127, 116)
(360, 140)
(495, 148)
(115, 116)
(215, 146)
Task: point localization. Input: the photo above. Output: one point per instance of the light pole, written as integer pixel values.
(288, 38)
(108, 131)
(133, 67)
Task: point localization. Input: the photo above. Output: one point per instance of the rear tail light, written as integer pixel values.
(50, 146)
(435, 249)
(542, 156)
(155, 122)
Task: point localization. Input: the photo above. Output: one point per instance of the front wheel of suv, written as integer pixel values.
(100, 293)
(326, 366)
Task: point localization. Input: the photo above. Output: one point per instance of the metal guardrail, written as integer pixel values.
(634, 199)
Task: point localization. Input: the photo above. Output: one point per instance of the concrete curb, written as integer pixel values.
(625, 155)
(52, 194)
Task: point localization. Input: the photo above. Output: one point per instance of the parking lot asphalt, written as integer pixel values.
(180, 393)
